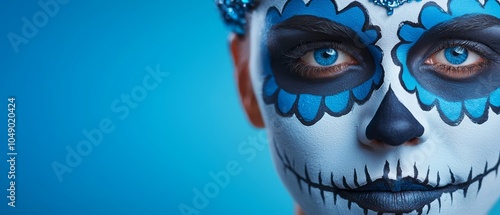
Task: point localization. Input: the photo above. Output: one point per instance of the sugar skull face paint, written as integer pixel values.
(370, 113)
(320, 60)
(460, 75)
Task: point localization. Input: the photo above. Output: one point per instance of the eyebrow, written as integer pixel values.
(314, 24)
(463, 26)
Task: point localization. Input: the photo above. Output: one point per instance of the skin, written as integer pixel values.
(240, 54)
(240, 50)
(444, 144)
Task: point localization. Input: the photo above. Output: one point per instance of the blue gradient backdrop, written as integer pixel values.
(80, 62)
(68, 75)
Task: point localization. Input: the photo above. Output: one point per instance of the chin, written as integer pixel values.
(364, 191)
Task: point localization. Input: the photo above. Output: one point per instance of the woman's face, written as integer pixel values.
(375, 113)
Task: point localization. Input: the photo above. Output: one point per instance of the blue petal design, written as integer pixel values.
(409, 81)
(410, 33)
(371, 36)
(476, 107)
(462, 7)
(338, 103)
(425, 96)
(377, 55)
(452, 110)
(363, 90)
(351, 18)
(377, 78)
(492, 7)
(495, 98)
(286, 101)
(271, 87)
(432, 16)
(309, 106)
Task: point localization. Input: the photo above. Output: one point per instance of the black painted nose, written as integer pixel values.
(393, 124)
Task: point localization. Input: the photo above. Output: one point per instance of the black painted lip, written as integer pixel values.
(403, 195)
(385, 195)
(388, 202)
(407, 196)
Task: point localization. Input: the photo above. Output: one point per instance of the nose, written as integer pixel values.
(393, 124)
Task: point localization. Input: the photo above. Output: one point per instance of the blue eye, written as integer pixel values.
(456, 62)
(326, 56)
(456, 55)
(324, 62)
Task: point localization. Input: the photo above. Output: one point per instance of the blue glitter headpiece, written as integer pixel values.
(234, 13)
(391, 4)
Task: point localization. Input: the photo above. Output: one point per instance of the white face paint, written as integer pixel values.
(422, 135)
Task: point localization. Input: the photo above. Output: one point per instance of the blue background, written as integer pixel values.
(65, 80)
(89, 54)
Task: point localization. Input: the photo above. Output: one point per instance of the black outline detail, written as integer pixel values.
(273, 99)
(336, 191)
(485, 115)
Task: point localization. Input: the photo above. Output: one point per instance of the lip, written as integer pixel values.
(396, 196)
(407, 194)
(384, 195)
(403, 195)
(388, 202)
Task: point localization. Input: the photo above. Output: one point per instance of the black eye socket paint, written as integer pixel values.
(477, 33)
(342, 42)
(290, 39)
(464, 41)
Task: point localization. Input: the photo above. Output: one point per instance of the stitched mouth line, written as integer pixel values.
(371, 186)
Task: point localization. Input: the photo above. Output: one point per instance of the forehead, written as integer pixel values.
(377, 14)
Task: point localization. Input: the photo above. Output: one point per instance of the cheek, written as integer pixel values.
(306, 155)
(438, 87)
(326, 137)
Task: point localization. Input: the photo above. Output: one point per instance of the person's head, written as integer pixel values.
(375, 106)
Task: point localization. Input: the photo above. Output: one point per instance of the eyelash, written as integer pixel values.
(301, 69)
(459, 72)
